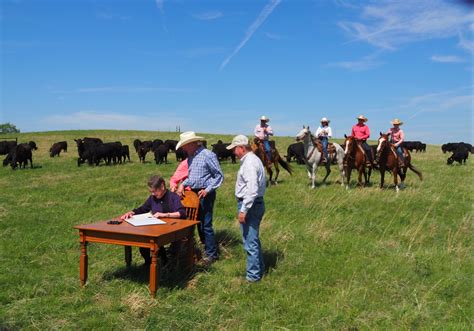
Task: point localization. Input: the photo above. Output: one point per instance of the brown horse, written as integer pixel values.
(355, 158)
(387, 158)
(402, 166)
(259, 150)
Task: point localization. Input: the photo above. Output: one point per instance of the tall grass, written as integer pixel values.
(336, 258)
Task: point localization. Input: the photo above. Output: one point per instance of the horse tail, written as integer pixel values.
(285, 165)
(416, 171)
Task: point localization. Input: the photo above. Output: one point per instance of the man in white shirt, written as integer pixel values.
(249, 190)
(323, 133)
(262, 132)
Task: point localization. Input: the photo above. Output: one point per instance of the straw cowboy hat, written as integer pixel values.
(324, 119)
(362, 117)
(396, 122)
(188, 137)
(264, 118)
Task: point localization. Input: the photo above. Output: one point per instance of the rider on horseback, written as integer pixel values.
(361, 132)
(262, 133)
(323, 133)
(396, 138)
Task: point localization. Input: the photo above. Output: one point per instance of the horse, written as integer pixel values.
(275, 159)
(403, 168)
(355, 158)
(312, 156)
(387, 158)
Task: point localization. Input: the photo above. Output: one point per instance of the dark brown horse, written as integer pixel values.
(387, 159)
(259, 150)
(402, 166)
(355, 158)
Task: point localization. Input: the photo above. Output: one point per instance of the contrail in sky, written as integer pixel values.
(159, 4)
(252, 28)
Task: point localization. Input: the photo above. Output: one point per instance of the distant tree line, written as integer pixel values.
(8, 128)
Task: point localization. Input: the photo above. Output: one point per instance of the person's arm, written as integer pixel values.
(215, 169)
(269, 130)
(250, 177)
(367, 132)
(177, 209)
(353, 132)
(402, 138)
(257, 132)
(329, 132)
(318, 132)
(145, 208)
(180, 174)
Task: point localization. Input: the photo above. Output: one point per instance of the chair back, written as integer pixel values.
(190, 202)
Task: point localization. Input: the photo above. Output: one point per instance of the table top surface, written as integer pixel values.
(172, 225)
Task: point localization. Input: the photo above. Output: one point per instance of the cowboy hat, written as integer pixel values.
(362, 117)
(324, 119)
(187, 137)
(396, 122)
(239, 140)
(264, 118)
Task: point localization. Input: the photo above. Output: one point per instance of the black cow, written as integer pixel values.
(155, 144)
(83, 147)
(414, 146)
(222, 152)
(180, 155)
(108, 152)
(137, 143)
(460, 155)
(6, 146)
(452, 147)
(57, 148)
(125, 153)
(295, 151)
(161, 154)
(20, 155)
(171, 144)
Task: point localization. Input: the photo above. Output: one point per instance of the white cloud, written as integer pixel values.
(262, 17)
(208, 16)
(366, 63)
(390, 24)
(84, 120)
(447, 59)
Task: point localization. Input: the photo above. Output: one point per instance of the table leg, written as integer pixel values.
(190, 250)
(83, 265)
(154, 270)
(128, 255)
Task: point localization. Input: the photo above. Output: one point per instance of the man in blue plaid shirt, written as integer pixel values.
(204, 177)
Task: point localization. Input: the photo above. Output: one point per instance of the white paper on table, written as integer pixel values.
(144, 219)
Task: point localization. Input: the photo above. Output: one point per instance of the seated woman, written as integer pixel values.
(161, 203)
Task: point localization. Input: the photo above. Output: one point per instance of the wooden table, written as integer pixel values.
(148, 236)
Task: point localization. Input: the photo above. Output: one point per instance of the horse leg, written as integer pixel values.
(328, 171)
(382, 176)
(395, 178)
(270, 175)
(348, 174)
(277, 170)
(313, 176)
(341, 172)
(361, 171)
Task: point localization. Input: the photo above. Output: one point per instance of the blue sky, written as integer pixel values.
(217, 66)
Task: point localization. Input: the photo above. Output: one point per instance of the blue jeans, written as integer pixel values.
(400, 153)
(266, 144)
(324, 142)
(250, 232)
(205, 230)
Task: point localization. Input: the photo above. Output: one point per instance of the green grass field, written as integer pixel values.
(356, 259)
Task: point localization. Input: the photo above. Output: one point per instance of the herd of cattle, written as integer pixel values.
(94, 151)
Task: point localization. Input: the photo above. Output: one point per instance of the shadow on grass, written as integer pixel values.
(226, 238)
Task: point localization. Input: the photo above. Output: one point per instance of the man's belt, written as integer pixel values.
(256, 199)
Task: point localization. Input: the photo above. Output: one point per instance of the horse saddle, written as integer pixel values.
(331, 151)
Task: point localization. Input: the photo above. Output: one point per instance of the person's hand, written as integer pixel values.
(158, 215)
(173, 188)
(202, 194)
(180, 190)
(242, 217)
(127, 215)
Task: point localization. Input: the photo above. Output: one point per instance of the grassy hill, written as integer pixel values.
(337, 259)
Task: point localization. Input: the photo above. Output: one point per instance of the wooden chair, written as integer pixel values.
(190, 201)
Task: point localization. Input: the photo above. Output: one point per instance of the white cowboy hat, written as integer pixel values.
(239, 140)
(187, 137)
(396, 122)
(362, 117)
(264, 118)
(324, 119)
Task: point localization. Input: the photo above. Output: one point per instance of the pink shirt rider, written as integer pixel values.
(260, 132)
(361, 131)
(397, 136)
(179, 175)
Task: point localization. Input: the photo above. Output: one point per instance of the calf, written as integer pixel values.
(460, 155)
(56, 148)
(222, 152)
(161, 154)
(20, 155)
(125, 153)
(295, 151)
(155, 144)
(171, 144)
